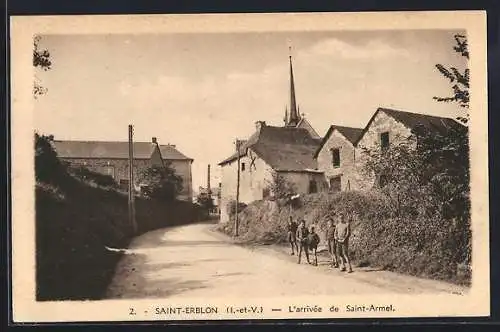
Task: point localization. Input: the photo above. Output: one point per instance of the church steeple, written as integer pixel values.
(294, 117)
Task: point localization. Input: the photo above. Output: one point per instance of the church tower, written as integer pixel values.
(293, 118)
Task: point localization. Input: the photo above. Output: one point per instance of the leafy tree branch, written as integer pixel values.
(458, 79)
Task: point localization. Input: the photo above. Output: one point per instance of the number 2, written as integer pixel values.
(132, 311)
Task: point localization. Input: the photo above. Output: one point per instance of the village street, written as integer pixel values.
(196, 261)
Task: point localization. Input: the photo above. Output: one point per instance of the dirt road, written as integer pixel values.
(196, 261)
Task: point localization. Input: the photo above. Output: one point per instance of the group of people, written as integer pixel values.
(303, 239)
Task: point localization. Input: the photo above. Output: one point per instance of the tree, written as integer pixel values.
(160, 182)
(41, 59)
(205, 201)
(426, 172)
(48, 167)
(459, 79)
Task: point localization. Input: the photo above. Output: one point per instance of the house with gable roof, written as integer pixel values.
(389, 126)
(286, 150)
(111, 158)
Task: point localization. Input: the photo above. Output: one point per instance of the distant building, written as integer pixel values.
(215, 194)
(111, 158)
(286, 150)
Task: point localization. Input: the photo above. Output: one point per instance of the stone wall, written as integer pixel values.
(302, 181)
(118, 169)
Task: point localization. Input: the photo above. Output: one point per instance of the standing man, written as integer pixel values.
(292, 235)
(302, 235)
(342, 234)
(332, 244)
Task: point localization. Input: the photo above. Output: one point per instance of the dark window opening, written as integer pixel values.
(313, 187)
(335, 184)
(242, 167)
(123, 184)
(384, 140)
(336, 158)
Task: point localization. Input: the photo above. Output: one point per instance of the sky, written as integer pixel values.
(202, 91)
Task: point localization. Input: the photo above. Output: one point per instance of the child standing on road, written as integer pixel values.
(332, 244)
(312, 243)
(302, 234)
(292, 235)
(342, 234)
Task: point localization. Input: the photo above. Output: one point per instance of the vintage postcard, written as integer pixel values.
(250, 166)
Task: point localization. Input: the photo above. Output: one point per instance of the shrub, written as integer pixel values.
(85, 174)
(231, 208)
(280, 188)
(48, 167)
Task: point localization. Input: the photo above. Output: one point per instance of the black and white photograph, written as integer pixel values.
(210, 167)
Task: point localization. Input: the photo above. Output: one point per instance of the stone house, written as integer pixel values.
(386, 127)
(111, 158)
(285, 150)
(389, 126)
(336, 157)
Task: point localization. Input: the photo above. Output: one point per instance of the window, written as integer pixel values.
(335, 184)
(313, 187)
(382, 180)
(123, 183)
(106, 170)
(384, 140)
(336, 157)
(242, 167)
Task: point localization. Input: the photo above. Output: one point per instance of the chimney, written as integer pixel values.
(153, 140)
(260, 124)
(239, 143)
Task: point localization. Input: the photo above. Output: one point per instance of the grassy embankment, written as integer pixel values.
(76, 220)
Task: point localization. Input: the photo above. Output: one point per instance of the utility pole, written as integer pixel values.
(237, 189)
(209, 190)
(131, 196)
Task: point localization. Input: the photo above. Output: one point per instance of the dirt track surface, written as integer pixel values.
(197, 261)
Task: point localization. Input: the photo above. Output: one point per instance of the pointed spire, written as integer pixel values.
(294, 115)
